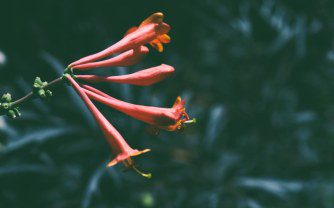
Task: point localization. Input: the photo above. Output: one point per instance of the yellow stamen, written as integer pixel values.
(190, 121)
(146, 175)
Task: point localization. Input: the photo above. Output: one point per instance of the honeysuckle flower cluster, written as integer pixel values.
(131, 49)
(128, 51)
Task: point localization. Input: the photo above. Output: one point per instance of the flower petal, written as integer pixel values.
(144, 77)
(125, 156)
(164, 38)
(154, 18)
(126, 58)
(131, 30)
(135, 39)
(156, 44)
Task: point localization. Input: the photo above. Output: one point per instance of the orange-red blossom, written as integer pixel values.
(144, 77)
(131, 47)
(120, 148)
(170, 119)
(152, 30)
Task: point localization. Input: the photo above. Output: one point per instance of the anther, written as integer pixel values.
(146, 175)
(190, 121)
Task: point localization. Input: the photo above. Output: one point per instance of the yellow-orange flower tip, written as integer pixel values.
(182, 117)
(177, 101)
(157, 17)
(162, 29)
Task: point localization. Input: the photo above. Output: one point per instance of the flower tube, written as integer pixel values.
(141, 36)
(127, 58)
(122, 151)
(170, 119)
(144, 77)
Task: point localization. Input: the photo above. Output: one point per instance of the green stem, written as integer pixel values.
(30, 95)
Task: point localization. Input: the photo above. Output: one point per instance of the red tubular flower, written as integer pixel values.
(127, 58)
(158, 42)
(170, 119)
(118, 145)
(142, 78)
(145, 34)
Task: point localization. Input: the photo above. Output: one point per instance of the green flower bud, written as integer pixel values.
(5, 106)
(11, 114)
(48, 93)
(41, 93)
(36, 85)
(38, 81)
(17, 112)
(6, 97)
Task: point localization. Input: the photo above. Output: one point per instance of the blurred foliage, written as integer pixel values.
(258, 75)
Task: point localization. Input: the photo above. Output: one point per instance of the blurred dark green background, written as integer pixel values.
(258, 76)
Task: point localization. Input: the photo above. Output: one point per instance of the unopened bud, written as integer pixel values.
(17, 112)
(5, 106)
(11, 114)
(6, 97)
(38, 81)
(41, 93)
(36, 85)
(48, 93)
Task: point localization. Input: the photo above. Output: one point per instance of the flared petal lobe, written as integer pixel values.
(161, 39)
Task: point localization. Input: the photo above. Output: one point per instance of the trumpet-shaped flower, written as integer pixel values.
(127, 58)
(158, 42)
(146, 33)
(170, 119)
(142, 78)
(119, 146)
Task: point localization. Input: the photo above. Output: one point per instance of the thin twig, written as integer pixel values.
(30, 95)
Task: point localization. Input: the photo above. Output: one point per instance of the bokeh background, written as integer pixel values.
(258, 76)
